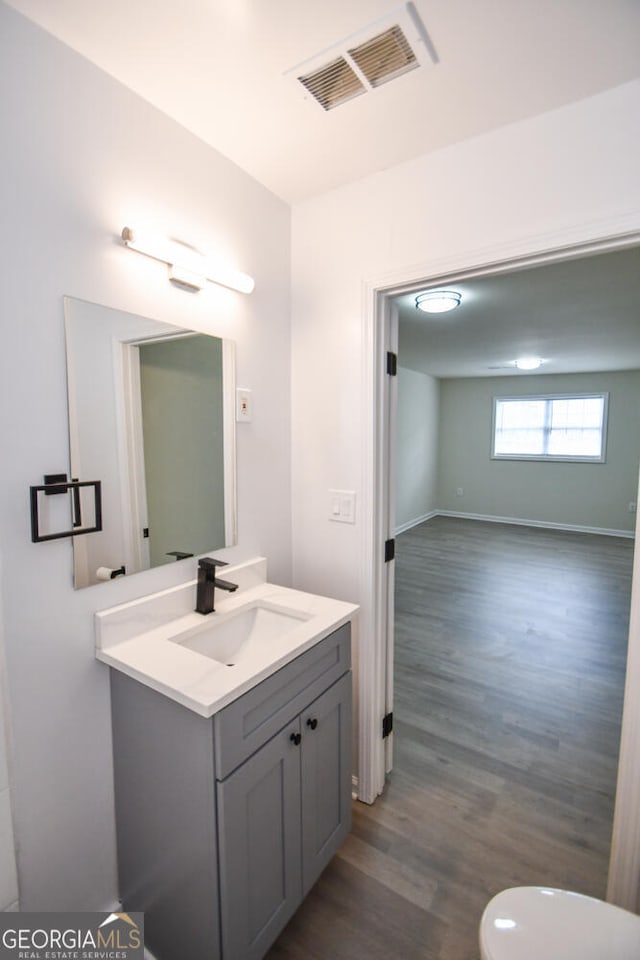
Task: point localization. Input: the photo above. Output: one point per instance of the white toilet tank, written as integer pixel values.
(540, 923)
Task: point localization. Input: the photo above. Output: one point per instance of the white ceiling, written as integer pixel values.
(218, 67)
(578, 315)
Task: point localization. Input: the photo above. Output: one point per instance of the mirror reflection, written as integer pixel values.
(151, 415)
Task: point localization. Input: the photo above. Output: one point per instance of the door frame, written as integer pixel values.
(377, 614)
(130, 437)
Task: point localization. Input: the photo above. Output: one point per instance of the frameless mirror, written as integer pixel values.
(151, 415)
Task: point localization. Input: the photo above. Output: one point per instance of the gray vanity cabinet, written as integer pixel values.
(165, 820)
(281, 817)
(260, 848)
(326, 779)
(224, 824)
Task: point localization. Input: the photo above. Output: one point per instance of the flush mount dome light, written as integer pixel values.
(438, 301)
(528, 363)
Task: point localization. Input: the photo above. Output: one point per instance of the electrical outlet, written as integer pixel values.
(632, 507)
(459, 492)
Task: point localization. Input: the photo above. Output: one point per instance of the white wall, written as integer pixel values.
(82, 157)
(8, 875)
(565, 177)
(554, 180)
(417, 437)
(576, 494)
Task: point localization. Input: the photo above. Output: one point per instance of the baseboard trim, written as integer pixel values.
(414, 523)
(355, 791)
(517, 521)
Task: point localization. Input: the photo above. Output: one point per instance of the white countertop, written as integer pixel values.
(136, 638)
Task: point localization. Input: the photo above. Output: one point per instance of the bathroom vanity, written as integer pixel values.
(232, 775)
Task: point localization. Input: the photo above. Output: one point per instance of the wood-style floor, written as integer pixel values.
(510, 658)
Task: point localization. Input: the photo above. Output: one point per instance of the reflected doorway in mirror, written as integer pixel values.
(152, 413)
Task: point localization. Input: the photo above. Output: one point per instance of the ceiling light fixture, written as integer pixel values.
(528, 363)
(438, 301)
(187, 266)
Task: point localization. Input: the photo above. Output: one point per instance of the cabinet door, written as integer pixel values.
(259, 846)
(326, 778)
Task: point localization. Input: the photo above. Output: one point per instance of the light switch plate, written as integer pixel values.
(342, 506)
(244, 406)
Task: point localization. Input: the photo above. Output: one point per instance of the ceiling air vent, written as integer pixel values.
(385, 56)
(333, 84)
(380, 52)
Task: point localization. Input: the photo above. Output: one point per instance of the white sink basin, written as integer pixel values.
(236, 637)
(207, 662)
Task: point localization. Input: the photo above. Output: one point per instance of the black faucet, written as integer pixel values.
(207, 583)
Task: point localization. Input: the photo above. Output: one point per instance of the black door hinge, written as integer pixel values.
(387, 725)
(392, 363)
(145, 532)
(389, 550)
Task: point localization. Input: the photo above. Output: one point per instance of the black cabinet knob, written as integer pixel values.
(313, 723)
(295, 738)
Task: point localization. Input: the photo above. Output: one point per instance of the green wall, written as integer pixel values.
(416, 446)
(182, 403)
(581, 494)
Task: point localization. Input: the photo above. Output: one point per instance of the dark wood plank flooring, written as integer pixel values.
(510, 657)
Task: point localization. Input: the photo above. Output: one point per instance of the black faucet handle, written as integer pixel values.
(210, 563)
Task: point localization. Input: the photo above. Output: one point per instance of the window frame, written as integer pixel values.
(547, 457)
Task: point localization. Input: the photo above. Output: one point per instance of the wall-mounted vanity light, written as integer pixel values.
(187, 266)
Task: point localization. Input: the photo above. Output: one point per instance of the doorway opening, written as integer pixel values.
(175, 411)
(385, 337)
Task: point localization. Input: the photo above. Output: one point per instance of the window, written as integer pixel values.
(550, 428)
